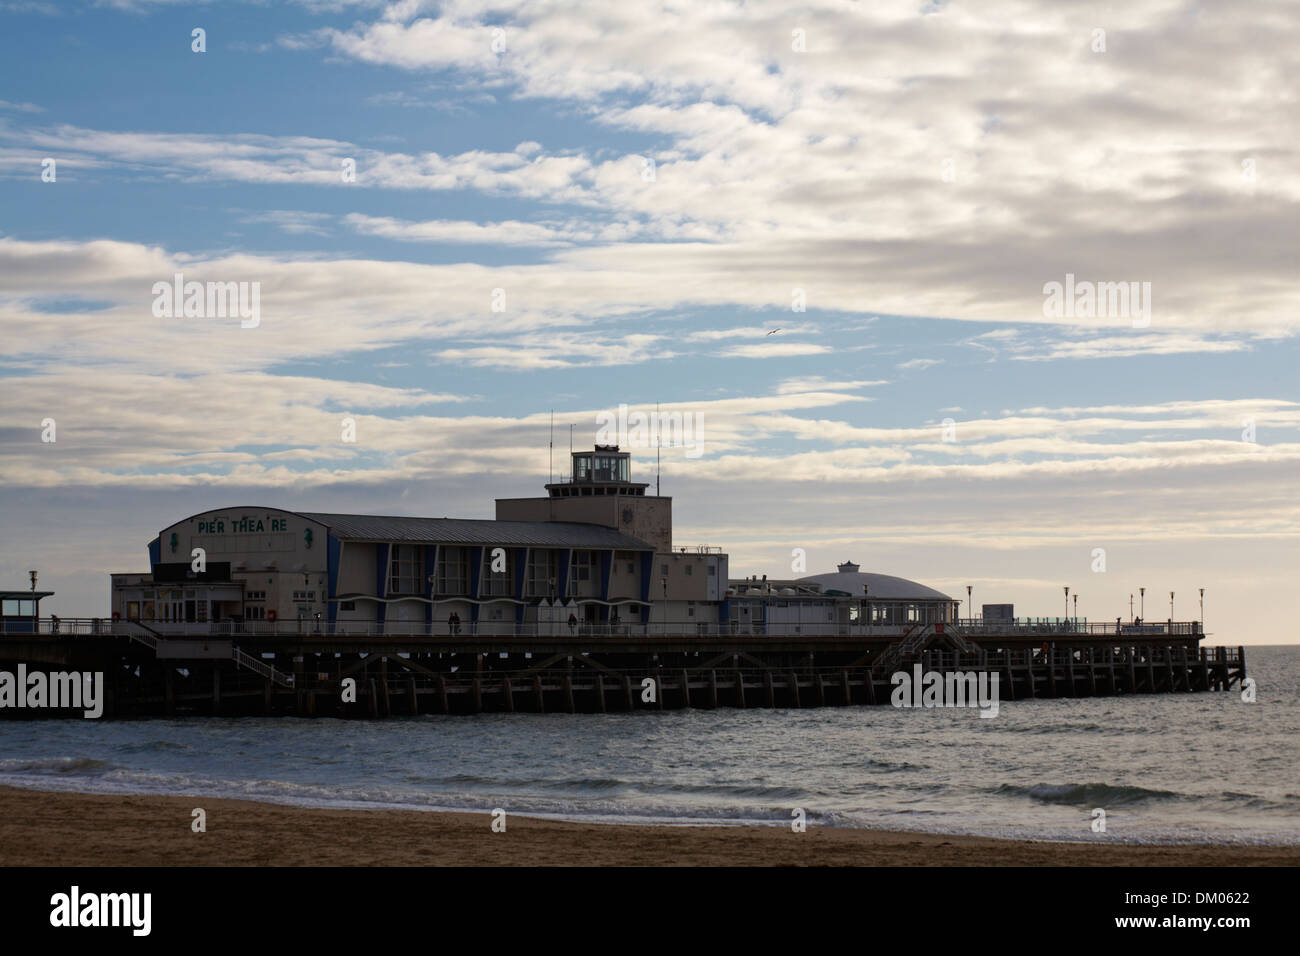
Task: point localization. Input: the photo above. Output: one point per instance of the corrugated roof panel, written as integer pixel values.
(557, 534)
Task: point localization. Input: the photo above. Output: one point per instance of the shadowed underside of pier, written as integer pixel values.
(148, 672)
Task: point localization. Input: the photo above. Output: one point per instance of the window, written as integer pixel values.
(663, 570)
(583, 563)
(404, 576)
(304, 595)
(610, 468)
(254, 595)
(347, 605)
(543, 569)
(689, 570)
(453, 571)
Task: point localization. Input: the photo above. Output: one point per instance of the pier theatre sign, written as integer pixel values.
(243, 525)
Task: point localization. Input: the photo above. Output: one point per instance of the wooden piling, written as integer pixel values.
(413, 704)
(508, 692)
(600, 690)
(444, 702)
(771, 689)
(476, 694)
(538, 696)
(686, 690)
(739, 699)
(374, 696)
(567, 684)
(627, 692)
(713, 690)
(794, 689)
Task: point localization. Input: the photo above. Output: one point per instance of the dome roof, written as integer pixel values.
(885, 587)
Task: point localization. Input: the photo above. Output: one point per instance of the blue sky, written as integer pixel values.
(917, 174)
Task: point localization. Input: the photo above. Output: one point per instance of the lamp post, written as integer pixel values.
(35, 623)
(866, 600)
(1067, 602)
(664, 582)
(1130, 607)
(1142, 602)
(1171, 606)
(1076, 609)
(970, 612)
(1202, 609)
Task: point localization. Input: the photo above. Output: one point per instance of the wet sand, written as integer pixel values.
(39, 828)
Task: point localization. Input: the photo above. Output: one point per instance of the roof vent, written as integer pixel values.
(848, 567)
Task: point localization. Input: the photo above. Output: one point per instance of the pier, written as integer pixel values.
(297, 669)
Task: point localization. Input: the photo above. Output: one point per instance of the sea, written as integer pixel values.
(1164, 768)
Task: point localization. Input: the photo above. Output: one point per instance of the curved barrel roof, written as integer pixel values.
(884, 587)
(561, 534)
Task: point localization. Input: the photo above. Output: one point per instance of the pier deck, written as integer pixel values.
(291, 670)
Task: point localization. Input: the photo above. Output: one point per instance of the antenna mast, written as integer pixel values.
(658, 443)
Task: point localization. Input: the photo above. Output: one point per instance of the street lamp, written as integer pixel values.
(1171, 605)
(866, 601)
(664, 581)
(1067, 602)
(1076, 608)
(35, 623)
(1202, 609)
(1142, 602)
(970, 613)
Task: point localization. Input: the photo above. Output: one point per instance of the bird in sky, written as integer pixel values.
(774, 331)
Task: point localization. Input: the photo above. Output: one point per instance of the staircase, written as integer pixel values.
(142, 634)
(904, 652)
(251, 663)
(896, 655)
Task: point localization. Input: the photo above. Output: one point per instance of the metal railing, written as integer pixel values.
(103, 627)
(251, 663)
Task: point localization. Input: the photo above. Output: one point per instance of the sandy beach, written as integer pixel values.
(39, 828)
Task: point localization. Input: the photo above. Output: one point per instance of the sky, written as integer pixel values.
(827, 235)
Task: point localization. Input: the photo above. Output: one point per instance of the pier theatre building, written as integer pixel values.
(596, 553)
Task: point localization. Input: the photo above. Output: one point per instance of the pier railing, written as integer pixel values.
(976, 630)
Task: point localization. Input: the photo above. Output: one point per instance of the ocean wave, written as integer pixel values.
(53, 765)
(1088, 794)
